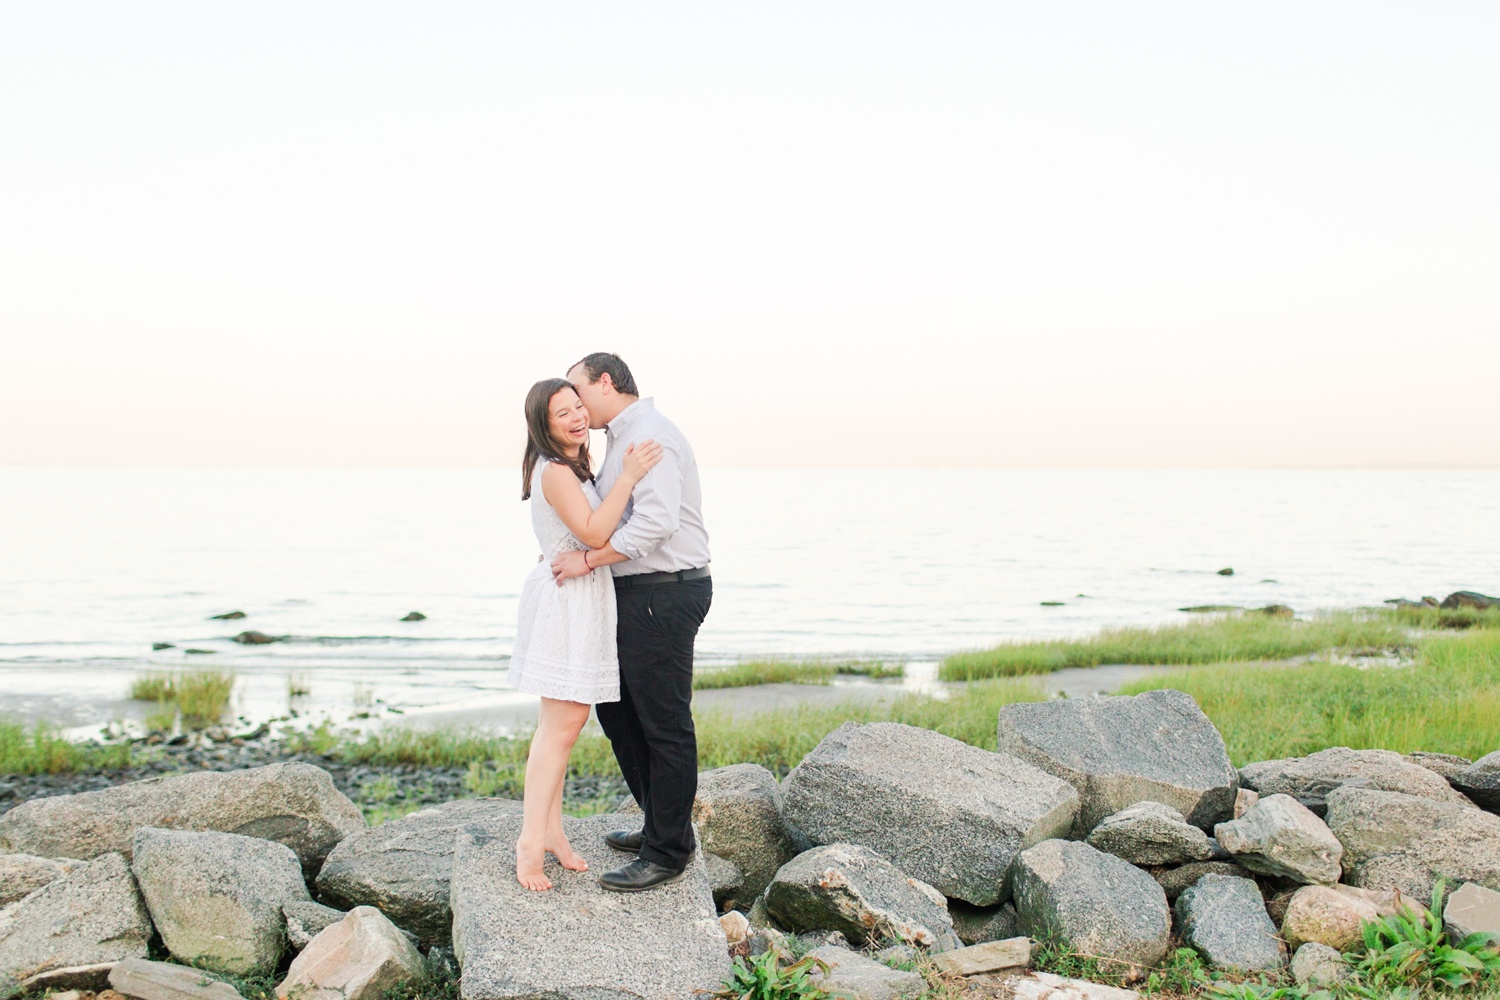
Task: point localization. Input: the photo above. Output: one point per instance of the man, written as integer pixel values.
(662, 591)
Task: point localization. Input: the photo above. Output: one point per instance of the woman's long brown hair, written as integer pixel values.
(539, 441)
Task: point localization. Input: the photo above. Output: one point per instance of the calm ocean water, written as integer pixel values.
(97, 564)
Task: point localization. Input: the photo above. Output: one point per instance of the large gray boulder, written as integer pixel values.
(847, 888)
(1151, 833)
(23, 874)
(1117, 751)
(216, 898)
(577, 941)
(1309, 779)
(1093, 902)
(1225, 920)
(1280, 836)
(1480, 781)
(1407, 842)
(738, 814)
(1444, 765)
(404, 867)
(294, 804)
(89, 917)
(950, 814)
(852, 976)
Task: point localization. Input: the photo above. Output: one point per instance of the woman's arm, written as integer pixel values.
(592, 526)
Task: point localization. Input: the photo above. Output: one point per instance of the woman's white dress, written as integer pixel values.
(565, 636)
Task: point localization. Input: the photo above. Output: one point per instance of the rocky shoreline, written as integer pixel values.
(1114, 827)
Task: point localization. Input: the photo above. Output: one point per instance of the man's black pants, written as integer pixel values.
(651, 726)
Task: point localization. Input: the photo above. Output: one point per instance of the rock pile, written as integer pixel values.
(1113, 826)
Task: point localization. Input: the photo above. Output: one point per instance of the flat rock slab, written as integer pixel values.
(852, 976)
(1095, 903)
(23, 874)
(362, 957)
(950, 814)
(1224, 918)
(404, 867)
(1473, 909)
(1117, 751)
(74, 977)
(853, 890)
(577, 941)
(1046, 986)
(295, 804)
(1309, 779)
(216, 898)
(988, 957)
(1280, 836)
(92, 916)
(136, 977)
(1151, 833)
(1407, 842)
(1480, 781)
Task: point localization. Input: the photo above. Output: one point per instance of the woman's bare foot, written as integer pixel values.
(529, 862)
(570, 859)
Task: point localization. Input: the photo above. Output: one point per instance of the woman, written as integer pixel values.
(565, 638)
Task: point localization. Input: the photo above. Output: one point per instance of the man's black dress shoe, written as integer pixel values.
(638, 876)
(629, 841)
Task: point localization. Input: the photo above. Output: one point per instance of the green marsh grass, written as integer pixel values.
(1446, 701)
(43, 750)
(1216, 639)
(753, 672)
(202, 696)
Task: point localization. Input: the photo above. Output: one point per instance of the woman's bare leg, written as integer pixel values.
(547, 763)
(557, 841)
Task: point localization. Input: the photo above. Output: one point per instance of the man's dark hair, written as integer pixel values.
(619, 372)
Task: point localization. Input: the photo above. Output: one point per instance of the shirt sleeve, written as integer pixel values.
(656, 506)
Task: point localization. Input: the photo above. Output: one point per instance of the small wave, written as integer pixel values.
(347, 640)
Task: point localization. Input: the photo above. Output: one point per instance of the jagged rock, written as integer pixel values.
(1472, 909)
(404, 867)
(1332, 915)
(515, 943)
(1225, 920)
(294, 804)
(89, 917)
(414, 616)
(359, 958)
(1092, 901)
(157, 647)
(227, 616)
(1318, 965)
(1469, 599)
(738, 814)
(136, 977)
(1280, 836)
(889, 787)
(1480, 781)
(1157, 746)
(23, 874)
(1309, 779)
(1150, 833)
(1444, 765)
(1244, 801)
(1396, 841)
(988, 957)
(1046, 986)
(305, 920)
(852, 889)
(856, 977)
(250, 637)
(1174, 880)
(216, 898)
(978, 924)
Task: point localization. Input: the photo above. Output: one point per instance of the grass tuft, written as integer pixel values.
(1218, 639)
(43, 750)
(202, 696)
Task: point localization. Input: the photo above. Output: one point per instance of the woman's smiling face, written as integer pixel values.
(569, 421)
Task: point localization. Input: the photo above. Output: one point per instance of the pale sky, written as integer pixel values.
(993, 234)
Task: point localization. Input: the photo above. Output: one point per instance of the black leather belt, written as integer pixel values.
(649, 579)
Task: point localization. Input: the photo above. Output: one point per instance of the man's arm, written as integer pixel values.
(656, 507)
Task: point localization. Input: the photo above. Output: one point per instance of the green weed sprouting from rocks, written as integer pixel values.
(1411, 948)
(1182, 972)
(765, 977)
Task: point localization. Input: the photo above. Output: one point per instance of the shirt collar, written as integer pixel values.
(628, 416)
